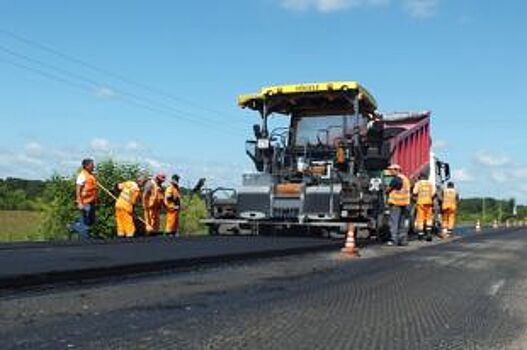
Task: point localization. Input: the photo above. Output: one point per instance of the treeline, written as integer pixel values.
(20, 194)
(487, 209)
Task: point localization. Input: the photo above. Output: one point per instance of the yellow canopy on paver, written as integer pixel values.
(310, 99)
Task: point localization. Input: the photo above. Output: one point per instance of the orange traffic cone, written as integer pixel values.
(478, 226)
(350, 248)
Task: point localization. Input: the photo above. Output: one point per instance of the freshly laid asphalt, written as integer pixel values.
(468, 293)
(31, 264)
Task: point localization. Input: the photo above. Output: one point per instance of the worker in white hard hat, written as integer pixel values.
(398, 192)
(153, 195)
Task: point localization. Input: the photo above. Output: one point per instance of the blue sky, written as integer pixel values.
(156, 82)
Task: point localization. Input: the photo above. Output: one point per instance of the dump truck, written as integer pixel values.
(325, 170)
(409, 134)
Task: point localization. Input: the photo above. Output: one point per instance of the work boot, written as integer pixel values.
(428, 236)
(443, 235)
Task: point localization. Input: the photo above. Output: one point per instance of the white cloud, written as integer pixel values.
(439, 145)
(329, 5)
(421, 8)
(134, 146)
(100, 145)
(491, 160)
(155, 164)
(499, 176)
(414, 8)
(519, 173)
(20, 164)
(16, 161)
(34, 149)
(462, 175)
(105, 92)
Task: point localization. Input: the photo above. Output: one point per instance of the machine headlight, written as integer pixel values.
(263, 143)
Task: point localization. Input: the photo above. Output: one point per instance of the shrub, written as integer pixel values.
(60, 209)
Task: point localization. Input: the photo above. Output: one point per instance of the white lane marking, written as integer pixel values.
(496, 287)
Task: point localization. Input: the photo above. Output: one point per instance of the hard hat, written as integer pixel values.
(394, 167)
(161, 176)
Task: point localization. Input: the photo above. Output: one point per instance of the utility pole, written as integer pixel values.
(483, 210)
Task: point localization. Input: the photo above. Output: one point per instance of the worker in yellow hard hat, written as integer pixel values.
(398, 192)
(153, 201)
(124, 206)
(173, 205)
(449, 205)
(85, 198)
(424, 193)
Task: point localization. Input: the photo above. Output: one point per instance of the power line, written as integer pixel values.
(76, 60)
(96, 84)
(90, 83)
(46, 74)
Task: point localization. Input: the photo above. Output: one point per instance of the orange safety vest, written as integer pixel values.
(128, 196)
(400, 198)
(449, 199)
(155, 197)
(172, 197)
(424, 191)
(89, 189)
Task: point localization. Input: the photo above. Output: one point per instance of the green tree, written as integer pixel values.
(60, 210)
(19, 194)
(109, 174)
(194, 209)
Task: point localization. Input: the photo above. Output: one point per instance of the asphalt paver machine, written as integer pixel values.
(316, 176)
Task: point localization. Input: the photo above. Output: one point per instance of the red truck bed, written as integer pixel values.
(410, 140)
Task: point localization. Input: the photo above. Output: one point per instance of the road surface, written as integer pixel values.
(470, 293)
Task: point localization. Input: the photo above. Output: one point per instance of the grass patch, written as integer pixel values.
(24, 225)
(20, 225)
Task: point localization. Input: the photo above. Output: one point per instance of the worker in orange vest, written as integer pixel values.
(424, 192)
(153, 201)
(450, 201)
(86, 198)
(173, 205)
(398, 192)
(124, 207)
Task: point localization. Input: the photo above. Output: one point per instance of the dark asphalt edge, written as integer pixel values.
(28, 281)
(127, 240)
(94, 241)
